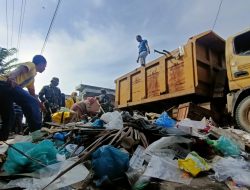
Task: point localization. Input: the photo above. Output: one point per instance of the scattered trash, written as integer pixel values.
(109, 162)
(107, 141)
(165, 121)
(98, 123)
(73, 148)
(164, 147)
(193, 164)
(226, 146)
(166, 169)
(191, 127)
(45, 175)
(113, 120)
(237, 169)
(44, 152)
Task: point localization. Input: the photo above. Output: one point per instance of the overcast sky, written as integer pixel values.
(93, 41)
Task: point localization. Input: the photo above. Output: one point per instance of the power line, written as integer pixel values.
(50, 27)
(22, 21)
(19, 29)
(217, 14)
(13, 10)
(23, 6)
(6, 11)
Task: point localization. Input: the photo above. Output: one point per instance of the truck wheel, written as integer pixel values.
(242, 114)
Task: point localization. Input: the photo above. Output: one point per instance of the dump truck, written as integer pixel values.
(206, 69)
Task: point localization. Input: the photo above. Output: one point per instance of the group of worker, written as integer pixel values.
(50, 98)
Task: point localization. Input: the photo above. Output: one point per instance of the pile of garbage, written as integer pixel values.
(122, 151)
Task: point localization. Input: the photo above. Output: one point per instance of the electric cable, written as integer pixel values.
(217, 14)
(21, 25)
(19, 29)
(6, 11)
(12, 24)
(50, 27)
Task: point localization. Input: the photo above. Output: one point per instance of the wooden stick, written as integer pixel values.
(117, 134)
(102, 109)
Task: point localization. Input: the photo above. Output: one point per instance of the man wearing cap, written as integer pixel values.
(50, 95)
(11, 90)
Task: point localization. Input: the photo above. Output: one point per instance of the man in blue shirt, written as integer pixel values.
(143, 50)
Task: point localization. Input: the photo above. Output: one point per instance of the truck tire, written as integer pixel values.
(242, 114)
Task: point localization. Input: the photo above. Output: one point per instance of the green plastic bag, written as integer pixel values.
(226, 146)
(16, 163)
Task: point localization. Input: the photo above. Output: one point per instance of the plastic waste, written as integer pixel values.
(37, 135)
(133, 175)
(226, 146)
(110, 161)
(165, 121)
(45, 152)
(164, 147)
(237, 169)
(166, 169)
(141, 183)
(60, 136)
(113, 120)
(191, 127)
(193, 164)
(98, 123)
(71, 148)
(61, 117)
(46, 174)
(60, 157)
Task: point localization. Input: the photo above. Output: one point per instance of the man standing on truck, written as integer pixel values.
(11, 90)
(143, 50)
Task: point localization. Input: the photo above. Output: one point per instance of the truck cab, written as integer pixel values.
(238, 73)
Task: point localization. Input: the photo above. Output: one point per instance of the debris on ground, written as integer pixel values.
(117, 150)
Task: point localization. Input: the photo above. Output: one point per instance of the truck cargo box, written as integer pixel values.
(186, 73)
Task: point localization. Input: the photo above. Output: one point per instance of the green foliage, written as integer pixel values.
(5, 65)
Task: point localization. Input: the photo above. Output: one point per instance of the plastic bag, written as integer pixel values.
(191, 127)
(141, 183)
(237, 169)
(72, 147)
(37, 135)
(166, 169)
(163, 147)
(226, 146)
(46, 174)
(110, 161)
(193, 164)
(45, 152)
(113, 120)
(165, 121)
(61, 117)
(98, 123)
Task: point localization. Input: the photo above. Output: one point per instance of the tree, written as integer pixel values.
(5, 65)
